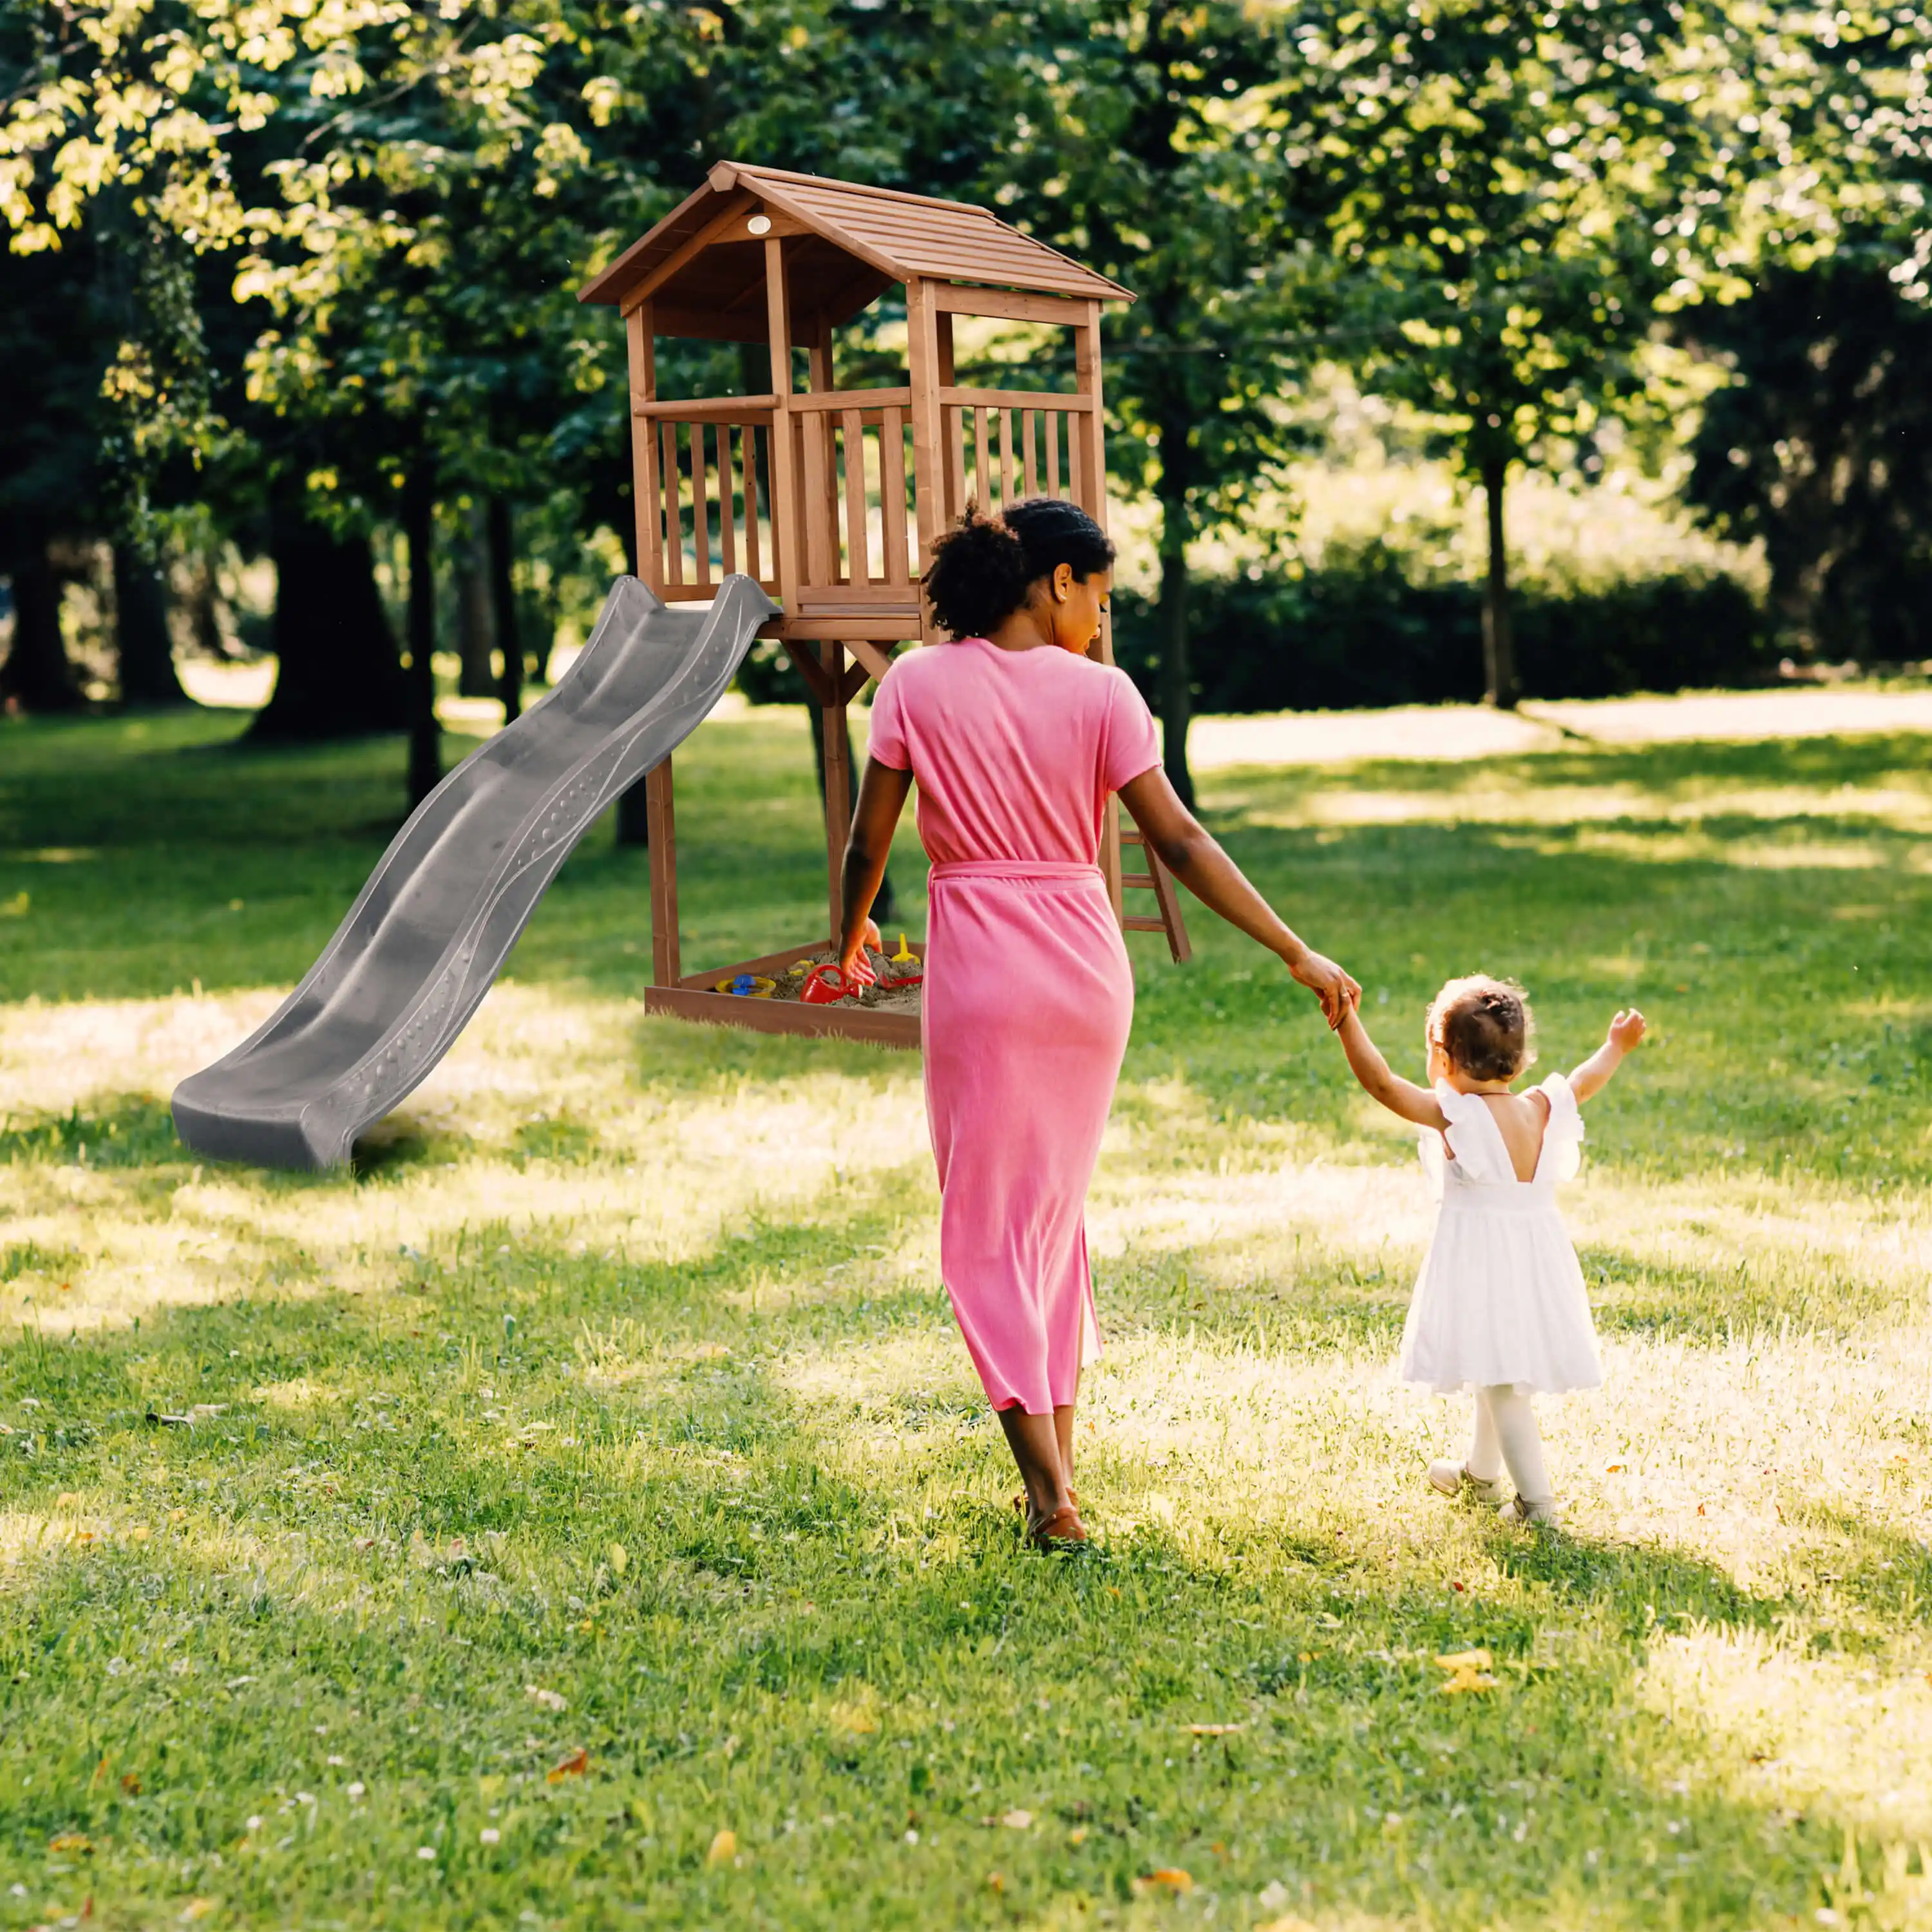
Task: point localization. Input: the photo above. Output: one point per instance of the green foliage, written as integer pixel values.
(1359, 631)
(1821, 447)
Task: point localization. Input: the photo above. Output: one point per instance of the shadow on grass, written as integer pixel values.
(784, 1640)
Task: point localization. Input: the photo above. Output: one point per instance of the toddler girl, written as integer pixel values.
(1500, 1306)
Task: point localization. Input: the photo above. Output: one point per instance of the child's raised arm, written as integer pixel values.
(1400, 1096)
(1593, 1075)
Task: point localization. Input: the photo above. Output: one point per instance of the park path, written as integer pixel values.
(1461, 731)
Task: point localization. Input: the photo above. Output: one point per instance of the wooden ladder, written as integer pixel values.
(1158, 881)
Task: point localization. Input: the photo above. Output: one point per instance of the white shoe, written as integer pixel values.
(1451, 1479)
(1535, 1516)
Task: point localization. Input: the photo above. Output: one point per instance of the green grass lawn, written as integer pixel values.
(582, 1513)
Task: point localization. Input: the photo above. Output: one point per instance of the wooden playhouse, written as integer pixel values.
(831, 498)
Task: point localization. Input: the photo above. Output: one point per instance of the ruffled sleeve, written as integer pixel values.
(1563, 1138)
(1475, 1141)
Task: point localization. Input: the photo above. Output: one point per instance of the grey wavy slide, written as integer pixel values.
(431, 930)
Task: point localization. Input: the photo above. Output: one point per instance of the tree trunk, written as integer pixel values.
(502, 536)
(1177, 680)
(425, 740)
(337, 673)
(476, 625)
(1498, 640)
(145, 649)
(37, 675)
(885, 905)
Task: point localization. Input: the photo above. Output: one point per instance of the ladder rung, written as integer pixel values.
(1145, 879)
(1144, 925)
(1132, 838)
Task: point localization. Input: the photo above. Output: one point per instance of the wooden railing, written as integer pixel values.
(1004, 445)
(856, 494)
(707, 485)
(707, 472)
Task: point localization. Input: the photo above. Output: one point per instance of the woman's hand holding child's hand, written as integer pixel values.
(1335, 989)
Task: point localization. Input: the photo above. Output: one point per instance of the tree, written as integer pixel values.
(1149, 153)
(1821, 447)
(1516, 193)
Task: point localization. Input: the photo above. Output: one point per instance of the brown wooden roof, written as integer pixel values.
(855, 241)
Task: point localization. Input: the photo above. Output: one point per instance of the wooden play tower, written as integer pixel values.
(832, 498)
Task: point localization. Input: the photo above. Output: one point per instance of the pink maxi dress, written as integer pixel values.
(1028, 994)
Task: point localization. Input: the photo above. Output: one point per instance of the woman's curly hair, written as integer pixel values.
(1485, 1026)
(984, 568)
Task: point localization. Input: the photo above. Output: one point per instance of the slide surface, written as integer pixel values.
(431, 929)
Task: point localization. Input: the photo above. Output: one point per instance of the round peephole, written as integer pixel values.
(760, 224)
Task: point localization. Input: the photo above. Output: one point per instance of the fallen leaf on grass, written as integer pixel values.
(70, 1841)
(1078, 1836)
(619, 1558)
(1287, 1923)
(1017, 1821)
(995, 1881)
(724, 1849)
(551, 1700)
(574, 1765)
(1468, 1670)
(131, 1784)
(196, 1908)
(1169, 1878)
(1216, 1730)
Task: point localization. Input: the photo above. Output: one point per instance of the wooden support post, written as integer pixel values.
(1090, 493)
(665, 956)
(838, 782)
(784, 506)
(928, 441)
(645, 488)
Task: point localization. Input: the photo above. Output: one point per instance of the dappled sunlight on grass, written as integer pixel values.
(1849, 1736)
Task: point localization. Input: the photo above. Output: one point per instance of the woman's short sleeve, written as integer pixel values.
(1132, 746)
(886, 732)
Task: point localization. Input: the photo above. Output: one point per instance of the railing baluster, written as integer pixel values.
(673, 512)
(1073, 489)
(728, 500)
(1006, 497)
(1051, 419)
(700, 504)
(1029, 425)
(858, 561)
(751, 499)
(982, 462)
(892, 497)
(956, 453)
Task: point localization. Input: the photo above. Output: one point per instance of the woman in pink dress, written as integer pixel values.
(1016, 737)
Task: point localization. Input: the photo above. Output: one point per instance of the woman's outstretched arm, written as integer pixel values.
(882, 797)
(1189, 851)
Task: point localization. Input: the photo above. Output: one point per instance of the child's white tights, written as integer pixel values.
(1506, 1434)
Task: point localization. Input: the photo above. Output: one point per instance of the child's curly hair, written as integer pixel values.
(1485, 1027)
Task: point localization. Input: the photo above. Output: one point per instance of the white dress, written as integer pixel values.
(1501, 1297)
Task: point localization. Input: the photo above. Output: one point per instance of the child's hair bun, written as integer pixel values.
(1485, 1026)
